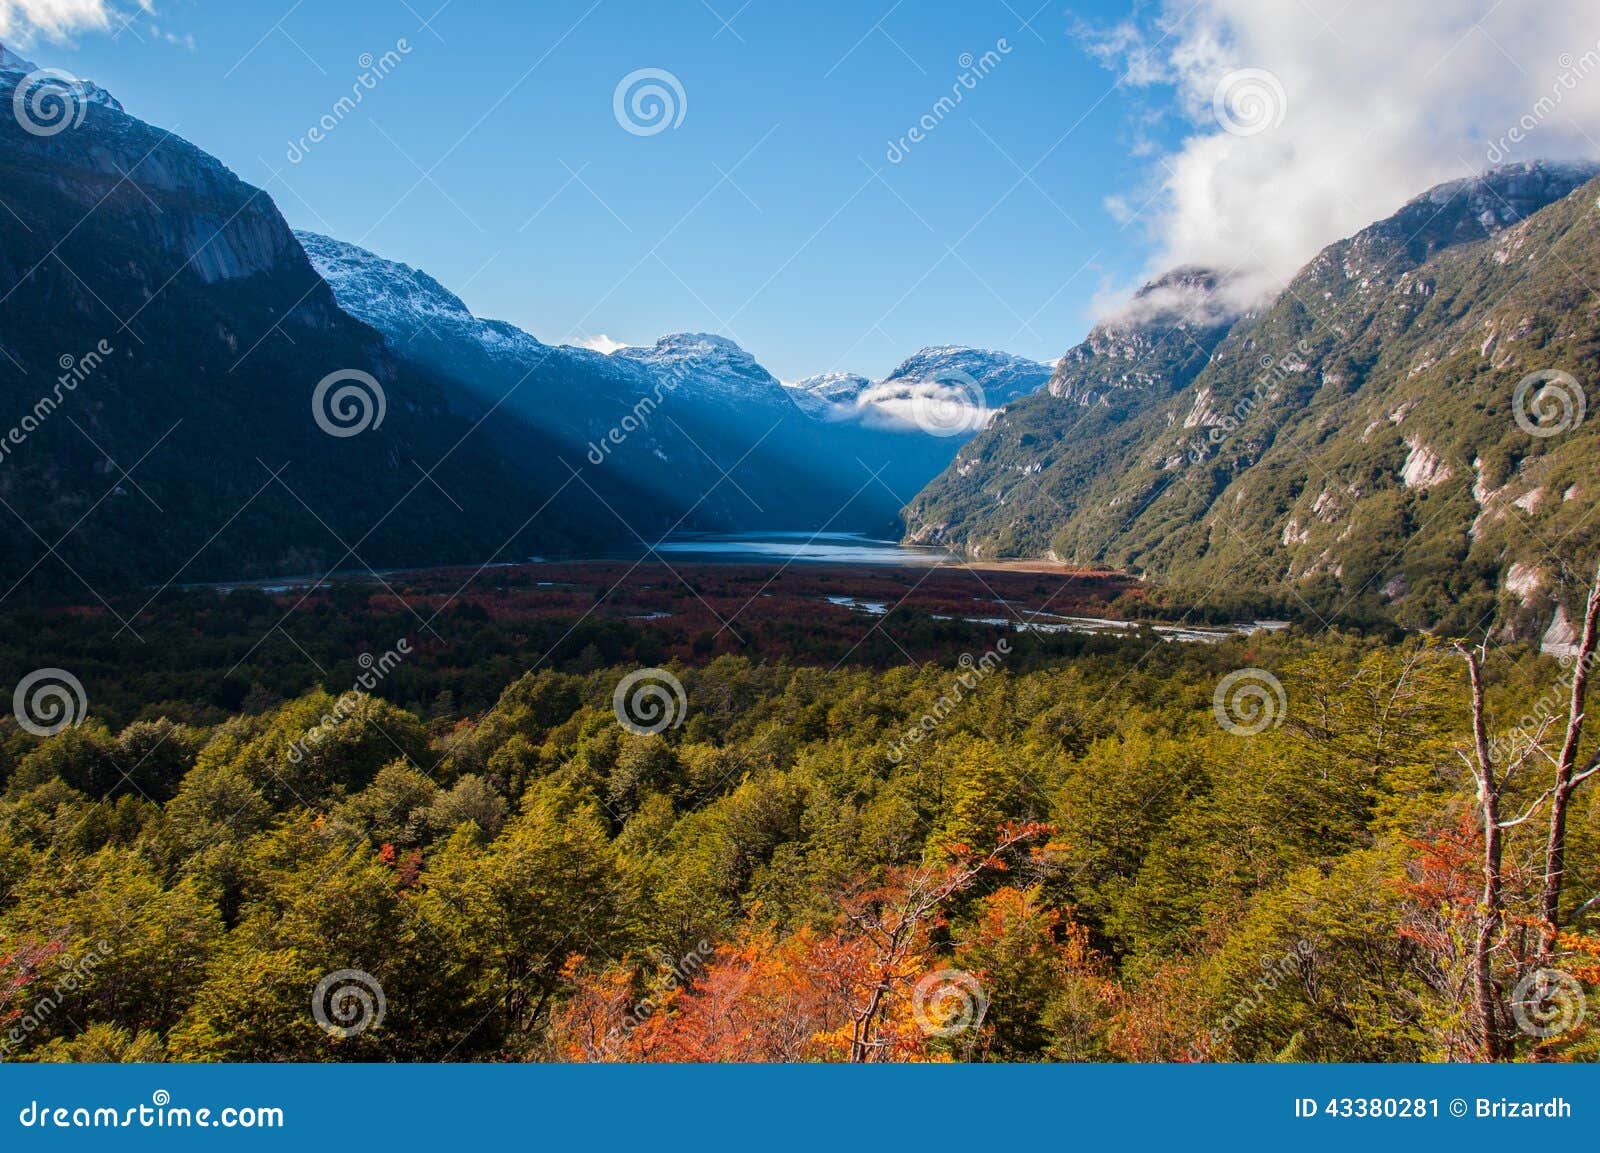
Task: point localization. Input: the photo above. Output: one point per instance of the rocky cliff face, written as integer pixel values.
(165, 192)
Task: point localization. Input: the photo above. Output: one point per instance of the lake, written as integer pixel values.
(797, 547)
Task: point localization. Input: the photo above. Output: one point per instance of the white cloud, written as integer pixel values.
(946, 409)
(186, 40)
(601, 343)
(27, 20)
(1381, 100)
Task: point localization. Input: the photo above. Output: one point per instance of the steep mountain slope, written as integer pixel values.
(1354, 444)
(164, 340)
(540, 399)
(1003, 494)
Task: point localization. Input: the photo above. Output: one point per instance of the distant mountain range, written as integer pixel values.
(165, 336)
(693, 404)
(1385, 439)
(939, 391)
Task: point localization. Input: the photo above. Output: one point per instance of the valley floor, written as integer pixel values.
(621, 811)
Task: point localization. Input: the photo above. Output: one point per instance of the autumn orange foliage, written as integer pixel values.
(868, 987)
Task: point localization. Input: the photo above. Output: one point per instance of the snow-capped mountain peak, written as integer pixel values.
(1000, 375)
(979, 378)
(716, 365)
(819, 396)
(405, 302)
(90, 93)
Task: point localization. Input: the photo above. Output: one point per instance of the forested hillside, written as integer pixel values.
(1374, 442)
(1123, 858)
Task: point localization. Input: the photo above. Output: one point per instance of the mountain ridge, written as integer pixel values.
(1222, 469)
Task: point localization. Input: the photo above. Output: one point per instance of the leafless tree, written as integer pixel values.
(1568, 778)
(1492, 781)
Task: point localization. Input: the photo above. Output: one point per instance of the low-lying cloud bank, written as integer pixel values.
(1310, 119)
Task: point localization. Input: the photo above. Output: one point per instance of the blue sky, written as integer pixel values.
(758, 216)
(1097, 148)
